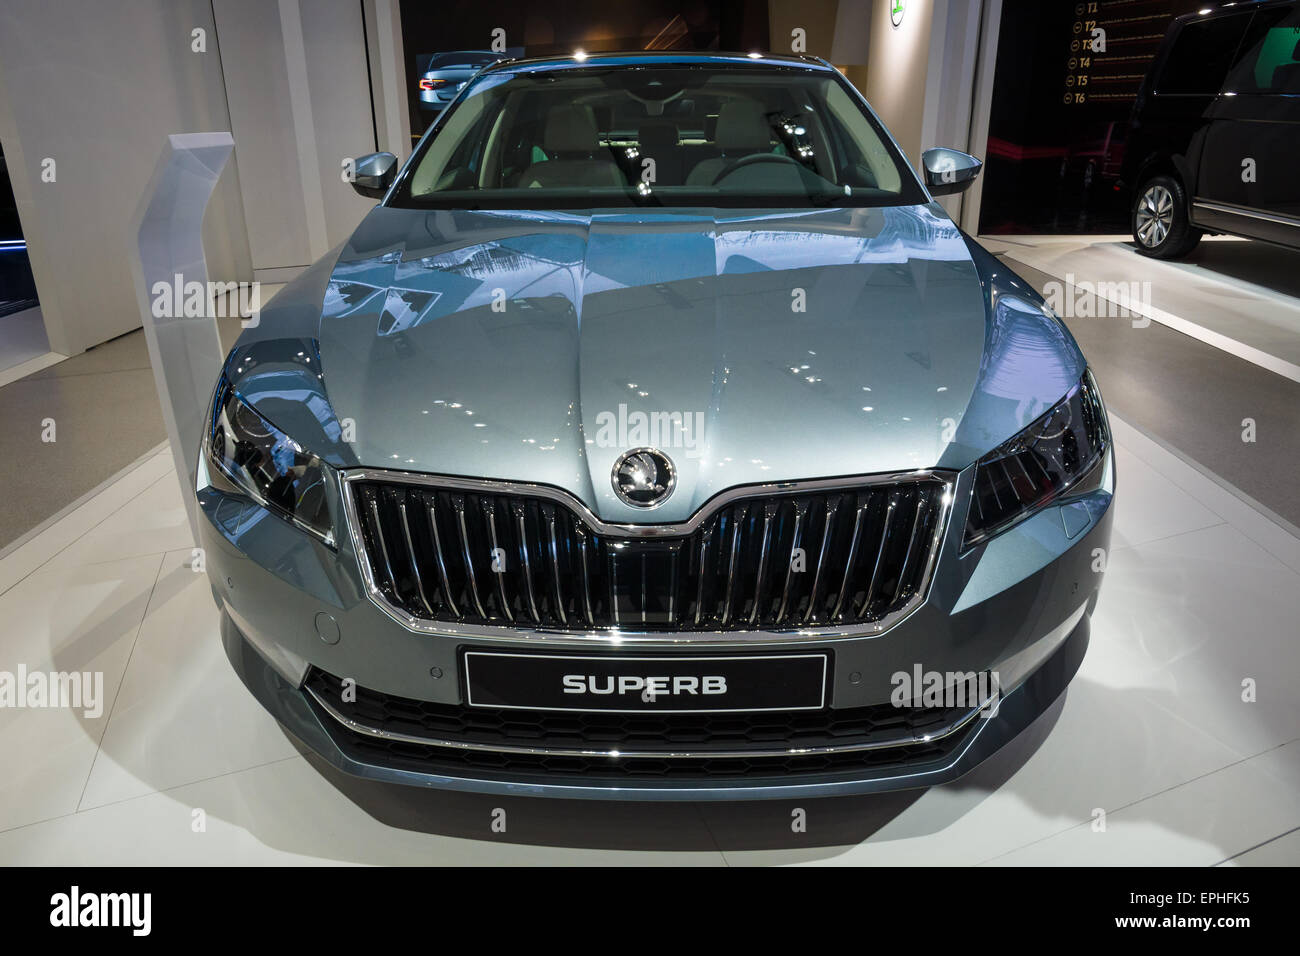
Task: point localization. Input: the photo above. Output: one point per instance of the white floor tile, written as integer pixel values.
(30, 366)
(1147, 508)
(82, 620)
(67, 530)
(1181, 476)
(182, 714)
(285, 814)
(1184, 621)
(22, 338)
(1101, 748)
(1280, 851)
(1198, 824)
(152, 522)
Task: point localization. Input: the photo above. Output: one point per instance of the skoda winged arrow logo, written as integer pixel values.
(643, 477)
(896, 8)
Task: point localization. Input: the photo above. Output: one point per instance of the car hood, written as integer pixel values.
(748, 346)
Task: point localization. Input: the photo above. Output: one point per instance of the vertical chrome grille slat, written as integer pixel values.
(769, 514)
(832, 507)
(851, 555)
(863, 502)
(383, 545)
(738, 513)
(921, 502)
(890, 511)
(706, 538)
(645, 589)
(613, 585)
(581, 536)
(673, 585)
(458, 506)
(548, 515)
(800, 512)
(489, 508)
(522, 526)
(415, 560)
(442, 562)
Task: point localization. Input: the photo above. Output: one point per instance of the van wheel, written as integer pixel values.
(1160, 225)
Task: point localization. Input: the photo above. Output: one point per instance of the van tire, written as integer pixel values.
(1160, 215)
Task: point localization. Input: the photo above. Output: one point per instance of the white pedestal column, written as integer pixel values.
(185, 351)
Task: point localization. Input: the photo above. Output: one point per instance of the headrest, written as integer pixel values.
(570, 129)
(658, 137)
(741, 126)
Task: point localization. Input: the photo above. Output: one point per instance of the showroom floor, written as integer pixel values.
(1201, 595)
(105, 406)
(24, 346)
(1205, 348)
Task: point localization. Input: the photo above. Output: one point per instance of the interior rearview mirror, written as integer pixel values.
(949, 171)
(373, 173)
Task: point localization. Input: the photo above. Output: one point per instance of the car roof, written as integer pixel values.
(659, 58)
(1242, 6)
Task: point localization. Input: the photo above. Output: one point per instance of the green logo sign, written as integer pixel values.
(896, 8)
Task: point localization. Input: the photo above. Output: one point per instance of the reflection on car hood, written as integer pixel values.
(749, 346)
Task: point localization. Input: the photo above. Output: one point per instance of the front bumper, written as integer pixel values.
(434, 101)
(289, 705)
(1018, 605)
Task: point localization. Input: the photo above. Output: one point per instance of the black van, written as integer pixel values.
(1214, 143)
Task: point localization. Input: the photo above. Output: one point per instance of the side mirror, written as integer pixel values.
(949, 171)
(373, 174)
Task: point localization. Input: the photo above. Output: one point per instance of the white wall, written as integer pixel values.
(299, 99)
(981, 106)
(897, 65)
(388, 76)
(930, 79)
(951, 86)
(97, 87)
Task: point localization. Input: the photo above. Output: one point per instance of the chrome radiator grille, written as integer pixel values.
(780, 560)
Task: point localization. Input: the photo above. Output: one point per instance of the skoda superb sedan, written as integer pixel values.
(657, 436)
(445, 74)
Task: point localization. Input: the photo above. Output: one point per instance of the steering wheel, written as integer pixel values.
(752, 160)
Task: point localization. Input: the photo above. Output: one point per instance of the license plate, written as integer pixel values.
(631, 685)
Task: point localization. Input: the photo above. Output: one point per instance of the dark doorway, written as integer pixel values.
(17, 288)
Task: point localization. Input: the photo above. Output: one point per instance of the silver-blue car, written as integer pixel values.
(445, 75)
(658, 436)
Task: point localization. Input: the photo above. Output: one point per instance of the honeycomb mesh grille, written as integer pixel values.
(881, 735)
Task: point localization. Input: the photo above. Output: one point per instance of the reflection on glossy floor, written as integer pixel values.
(105, 404)
(1203, 593)
(1206, 351)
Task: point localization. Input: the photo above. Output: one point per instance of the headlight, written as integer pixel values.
(1040, 464)
(267, 465)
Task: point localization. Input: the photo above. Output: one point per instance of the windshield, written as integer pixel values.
(657, 136)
